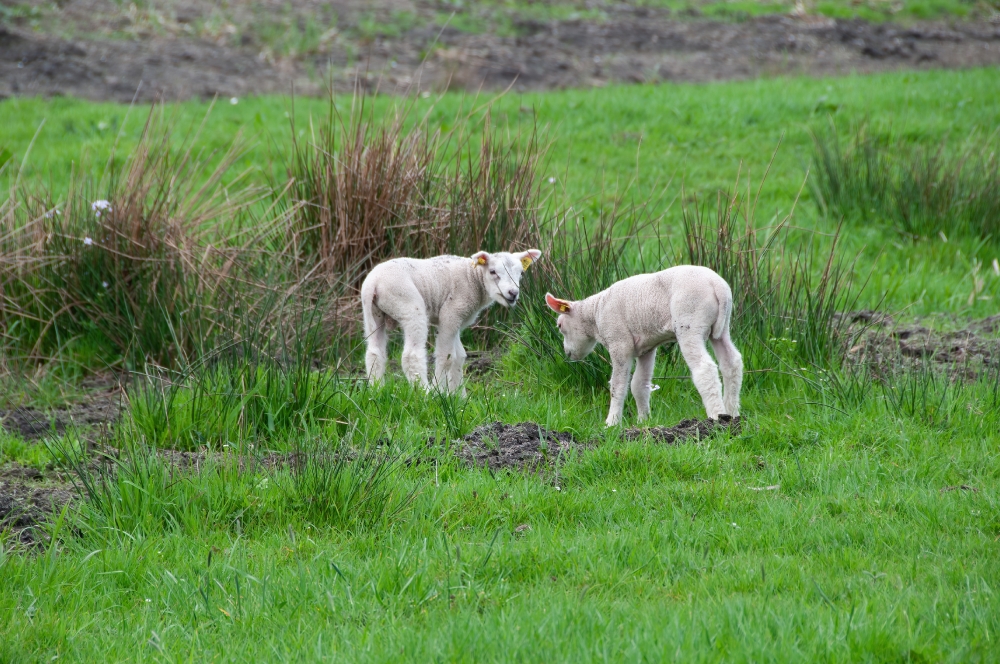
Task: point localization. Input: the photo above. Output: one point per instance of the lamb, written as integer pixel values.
(687, 304)
(447, 291)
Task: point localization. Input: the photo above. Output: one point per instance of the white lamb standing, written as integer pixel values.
(687, 304)
(447, 291)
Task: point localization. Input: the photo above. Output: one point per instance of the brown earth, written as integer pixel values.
(969, 348)
(524, 446)
(95, 413)
(104, 50)
(696, 429)
(28, 500)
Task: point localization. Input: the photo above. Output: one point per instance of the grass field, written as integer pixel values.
(853, 517)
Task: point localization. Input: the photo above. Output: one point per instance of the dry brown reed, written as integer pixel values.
(136, 260)
(367, 188)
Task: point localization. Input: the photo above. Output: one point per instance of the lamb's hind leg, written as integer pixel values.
(731, 365)
(642, 382)
(704, 371)
(377, 339)
(414, 358)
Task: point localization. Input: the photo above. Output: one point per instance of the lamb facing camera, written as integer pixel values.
(687, 304)
(447, 291)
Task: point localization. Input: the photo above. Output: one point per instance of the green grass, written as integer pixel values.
(636, 550)
(695, 135)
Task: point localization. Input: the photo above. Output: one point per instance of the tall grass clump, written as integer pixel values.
(921, 190)
(138, 491)
(788, 284)
(280, 373)
(132, 261)
(367, 187)
(586, 250)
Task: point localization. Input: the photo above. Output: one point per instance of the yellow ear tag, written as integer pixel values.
(563, 307)
(525, 262)
(481, 260)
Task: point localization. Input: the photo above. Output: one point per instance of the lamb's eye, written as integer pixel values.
(493, 272)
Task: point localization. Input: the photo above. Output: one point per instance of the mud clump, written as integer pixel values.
(685, 429)
(27, 504)
(524, 446)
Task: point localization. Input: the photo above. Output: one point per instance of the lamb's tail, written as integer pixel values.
(724, 295)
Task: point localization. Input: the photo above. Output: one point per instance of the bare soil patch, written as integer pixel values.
(685, 429)
(95, 412)
(970, 348)
(102, 50)
(28, 501)
(524, 446)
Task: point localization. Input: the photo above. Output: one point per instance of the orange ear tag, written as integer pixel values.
(481, 260)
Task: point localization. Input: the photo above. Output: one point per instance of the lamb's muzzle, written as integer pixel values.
(686, 304)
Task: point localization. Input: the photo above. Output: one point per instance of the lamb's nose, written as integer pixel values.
(513, 292)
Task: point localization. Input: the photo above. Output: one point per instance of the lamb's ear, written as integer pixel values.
(482, 258)
(557, 305)
(528, 257)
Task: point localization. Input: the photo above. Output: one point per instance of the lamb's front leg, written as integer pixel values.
(444, 359)
(621, 367)
(455, 375)
(642, 382)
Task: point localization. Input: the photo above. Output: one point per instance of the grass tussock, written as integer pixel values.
(134, 263)
(367, 188)
(921, 190)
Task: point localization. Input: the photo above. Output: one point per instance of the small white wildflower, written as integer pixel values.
(102, 126)
(558, 488)
(552, 180)
(148, 600)
(104, 283)
(87, 241)
(99, 206)
(614, 491)
(52, 213)
(234, 100)
(735, 526)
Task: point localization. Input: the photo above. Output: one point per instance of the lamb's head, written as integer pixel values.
(501, 273)
(578, 334)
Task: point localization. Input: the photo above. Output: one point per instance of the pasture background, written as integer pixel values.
(635, 550)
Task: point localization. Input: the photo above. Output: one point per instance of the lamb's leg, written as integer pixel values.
(456, 377)
(621, 366)
(377, 339)
(414, 358)
(445, 359)
(731, 366)
(704, 372)
(642, 382)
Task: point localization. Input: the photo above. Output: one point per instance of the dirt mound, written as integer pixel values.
(696, 429)
(32, 423)
(27, 503)
(970, 348)
(102, 50)
(524, 446)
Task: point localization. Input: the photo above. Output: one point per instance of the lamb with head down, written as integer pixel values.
(686, 304)
(447, 291)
